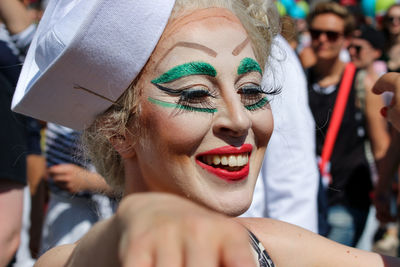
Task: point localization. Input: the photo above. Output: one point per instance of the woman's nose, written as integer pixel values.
(232, 119)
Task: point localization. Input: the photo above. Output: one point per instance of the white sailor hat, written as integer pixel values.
(84, 55)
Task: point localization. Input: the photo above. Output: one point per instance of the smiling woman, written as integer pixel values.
(184, 141)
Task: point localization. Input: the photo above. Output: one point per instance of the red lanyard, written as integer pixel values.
(336, 121)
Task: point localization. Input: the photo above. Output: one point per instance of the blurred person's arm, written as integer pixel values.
(390, 82)
(15, 16)
(376, 124)
(11, 200)
(74, 179)
(387, 168)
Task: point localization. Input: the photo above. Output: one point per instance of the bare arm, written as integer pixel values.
(154, 229)
(74, 179)
(15, 16)
(387, 167)
(376, 124)
(289, 245)
(390, 82)
(11, 199)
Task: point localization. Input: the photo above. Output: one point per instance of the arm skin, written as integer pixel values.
(387, 167)
(376, 124)
(11, 199)
(163, 230)
(74, 179)
(15, 16)
(390, 82)
(289, 245)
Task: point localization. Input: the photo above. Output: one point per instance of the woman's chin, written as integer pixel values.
(232, 208)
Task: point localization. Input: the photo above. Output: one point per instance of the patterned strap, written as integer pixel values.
(263, 258)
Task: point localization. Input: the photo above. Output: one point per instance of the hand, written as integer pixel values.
(70, 177)
(390, 82)
(169, 231)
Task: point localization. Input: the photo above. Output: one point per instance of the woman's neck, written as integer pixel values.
(328, 72)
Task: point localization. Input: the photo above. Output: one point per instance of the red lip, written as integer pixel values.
(228, 150)
(225, 174)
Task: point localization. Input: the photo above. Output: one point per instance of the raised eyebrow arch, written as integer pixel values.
(240, 47)
(197, 46)
(186, 69)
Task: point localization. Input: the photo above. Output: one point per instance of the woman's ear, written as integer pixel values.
(123, 145)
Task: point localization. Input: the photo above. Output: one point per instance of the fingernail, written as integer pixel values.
(384, 112)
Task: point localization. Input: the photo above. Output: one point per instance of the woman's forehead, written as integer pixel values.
(208, 32)
(209, 15)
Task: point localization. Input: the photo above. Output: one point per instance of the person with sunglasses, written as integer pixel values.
(347, 202)
(391, 29)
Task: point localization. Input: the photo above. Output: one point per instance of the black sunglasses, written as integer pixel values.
(391, 19)
(331, 35)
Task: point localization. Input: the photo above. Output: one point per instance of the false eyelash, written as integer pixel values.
(270, 90)
(184, 99)
(205, 106)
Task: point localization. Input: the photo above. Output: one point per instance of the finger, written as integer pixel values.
(203, 251)
(56, 169)
(169, 249)
(137, 253)
(59, 177)
(387, 82)
(237, 252)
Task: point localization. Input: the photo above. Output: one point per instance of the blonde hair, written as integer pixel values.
(261, 21)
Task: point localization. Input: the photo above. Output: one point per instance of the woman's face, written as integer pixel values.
(206, 118)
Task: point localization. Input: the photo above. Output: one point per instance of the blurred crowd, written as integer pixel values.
(50, 194)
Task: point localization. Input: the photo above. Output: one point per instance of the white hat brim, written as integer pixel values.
(112, 45)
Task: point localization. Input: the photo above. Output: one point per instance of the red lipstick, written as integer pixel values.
(224, 173)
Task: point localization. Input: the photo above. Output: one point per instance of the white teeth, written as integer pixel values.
(224, 160)
(231, 160)
(240, 160)
(216, 160)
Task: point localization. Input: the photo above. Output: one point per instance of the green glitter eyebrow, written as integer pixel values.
(248, 65)
(173, 105)
(191, 68)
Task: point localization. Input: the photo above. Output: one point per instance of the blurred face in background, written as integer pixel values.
(327, 33)
(392, 22)
(362, 53)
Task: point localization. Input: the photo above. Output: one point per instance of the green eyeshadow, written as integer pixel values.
(248, 65)
(184, 107)
(258, 105)
(191, 68)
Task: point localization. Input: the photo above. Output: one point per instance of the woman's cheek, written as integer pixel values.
(181, 131)
(263, 126)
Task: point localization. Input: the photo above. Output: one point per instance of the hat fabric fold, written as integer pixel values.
(99, 46)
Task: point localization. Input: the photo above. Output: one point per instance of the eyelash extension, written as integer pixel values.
(183, 102)
(180, 106)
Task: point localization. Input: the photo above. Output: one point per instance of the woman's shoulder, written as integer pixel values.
(57, 256)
